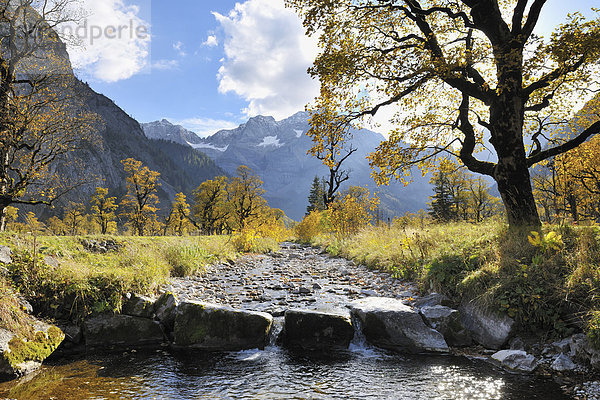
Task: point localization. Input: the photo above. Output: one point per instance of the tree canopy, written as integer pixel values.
(42, 113)
(458, 74)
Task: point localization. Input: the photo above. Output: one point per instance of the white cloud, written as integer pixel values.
(211, 41)
(178, 47)
(266, 58)
(113, 40)
(204, 127)
(165, 65)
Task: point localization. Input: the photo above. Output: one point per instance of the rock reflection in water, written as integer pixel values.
(276, 374)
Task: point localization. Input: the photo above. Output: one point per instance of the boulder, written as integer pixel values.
(487, 328)
(563, 362)
(165, 309)
(433, 299)
(446, 321)
(581, 349)
(391, 324)
(20, 356)
(516, 360)
(217, 328)
(5, 255)
(121, 331)
(139, 306)
(312, 330)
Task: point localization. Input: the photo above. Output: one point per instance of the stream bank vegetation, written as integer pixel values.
(89, 260)
(548, 282)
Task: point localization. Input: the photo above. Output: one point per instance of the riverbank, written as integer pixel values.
(312, 279)
(547, 283)
(71, 277)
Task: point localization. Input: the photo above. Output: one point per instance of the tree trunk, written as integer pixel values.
(507, 115)
(515, 188)
(2, 219)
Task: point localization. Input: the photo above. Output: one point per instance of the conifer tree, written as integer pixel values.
(316, 199)
(442, 203)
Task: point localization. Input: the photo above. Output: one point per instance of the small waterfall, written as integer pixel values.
(359, 344)
(275, 331)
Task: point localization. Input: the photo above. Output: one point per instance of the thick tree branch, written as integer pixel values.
(517, 19)
(571, 144)
(532, 18)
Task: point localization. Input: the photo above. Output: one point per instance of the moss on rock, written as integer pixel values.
(37, 349)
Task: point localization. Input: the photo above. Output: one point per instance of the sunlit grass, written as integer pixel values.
(67, 280)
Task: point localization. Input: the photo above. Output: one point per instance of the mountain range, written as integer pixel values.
(277, 151)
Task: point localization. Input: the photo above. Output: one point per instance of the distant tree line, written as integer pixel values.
(221, 205)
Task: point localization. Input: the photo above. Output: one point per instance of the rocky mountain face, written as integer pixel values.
(277, 152)
(98, 162)
(182, 168)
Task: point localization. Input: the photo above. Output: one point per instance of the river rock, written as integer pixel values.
(165, 310)
(447, 321)
(581, 349)
(391, 324)
(433, 299)
(212, 327)
(20, 356)
(5, 255)
(139, 306)
(313, 330)
(487, 328)
(517, 360)
(121, 331)
(563, 362)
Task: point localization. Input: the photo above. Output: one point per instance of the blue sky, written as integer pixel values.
(211, 64)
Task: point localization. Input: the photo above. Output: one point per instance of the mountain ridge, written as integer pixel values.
(278, 152)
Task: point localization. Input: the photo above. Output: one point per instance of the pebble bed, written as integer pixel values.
(294, 277)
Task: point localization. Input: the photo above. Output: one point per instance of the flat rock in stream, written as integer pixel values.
(121, 331)
(313, 330)
(447, 321)
(516, 360)
(139, 306)
(390, 324)
(212, 327)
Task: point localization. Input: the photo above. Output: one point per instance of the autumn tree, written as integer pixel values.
(352, 211)
(481, 203)
(180, 212)
(332, 145)
(42, 113)
(74, 217)
(211, 209)
(456, 73)
(245, 196)
(56, 226)
(9, 216)
(103, 209)
(141, 202)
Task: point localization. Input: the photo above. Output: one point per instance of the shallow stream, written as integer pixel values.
(295, 277)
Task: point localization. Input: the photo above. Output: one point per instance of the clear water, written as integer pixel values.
(361, 373)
